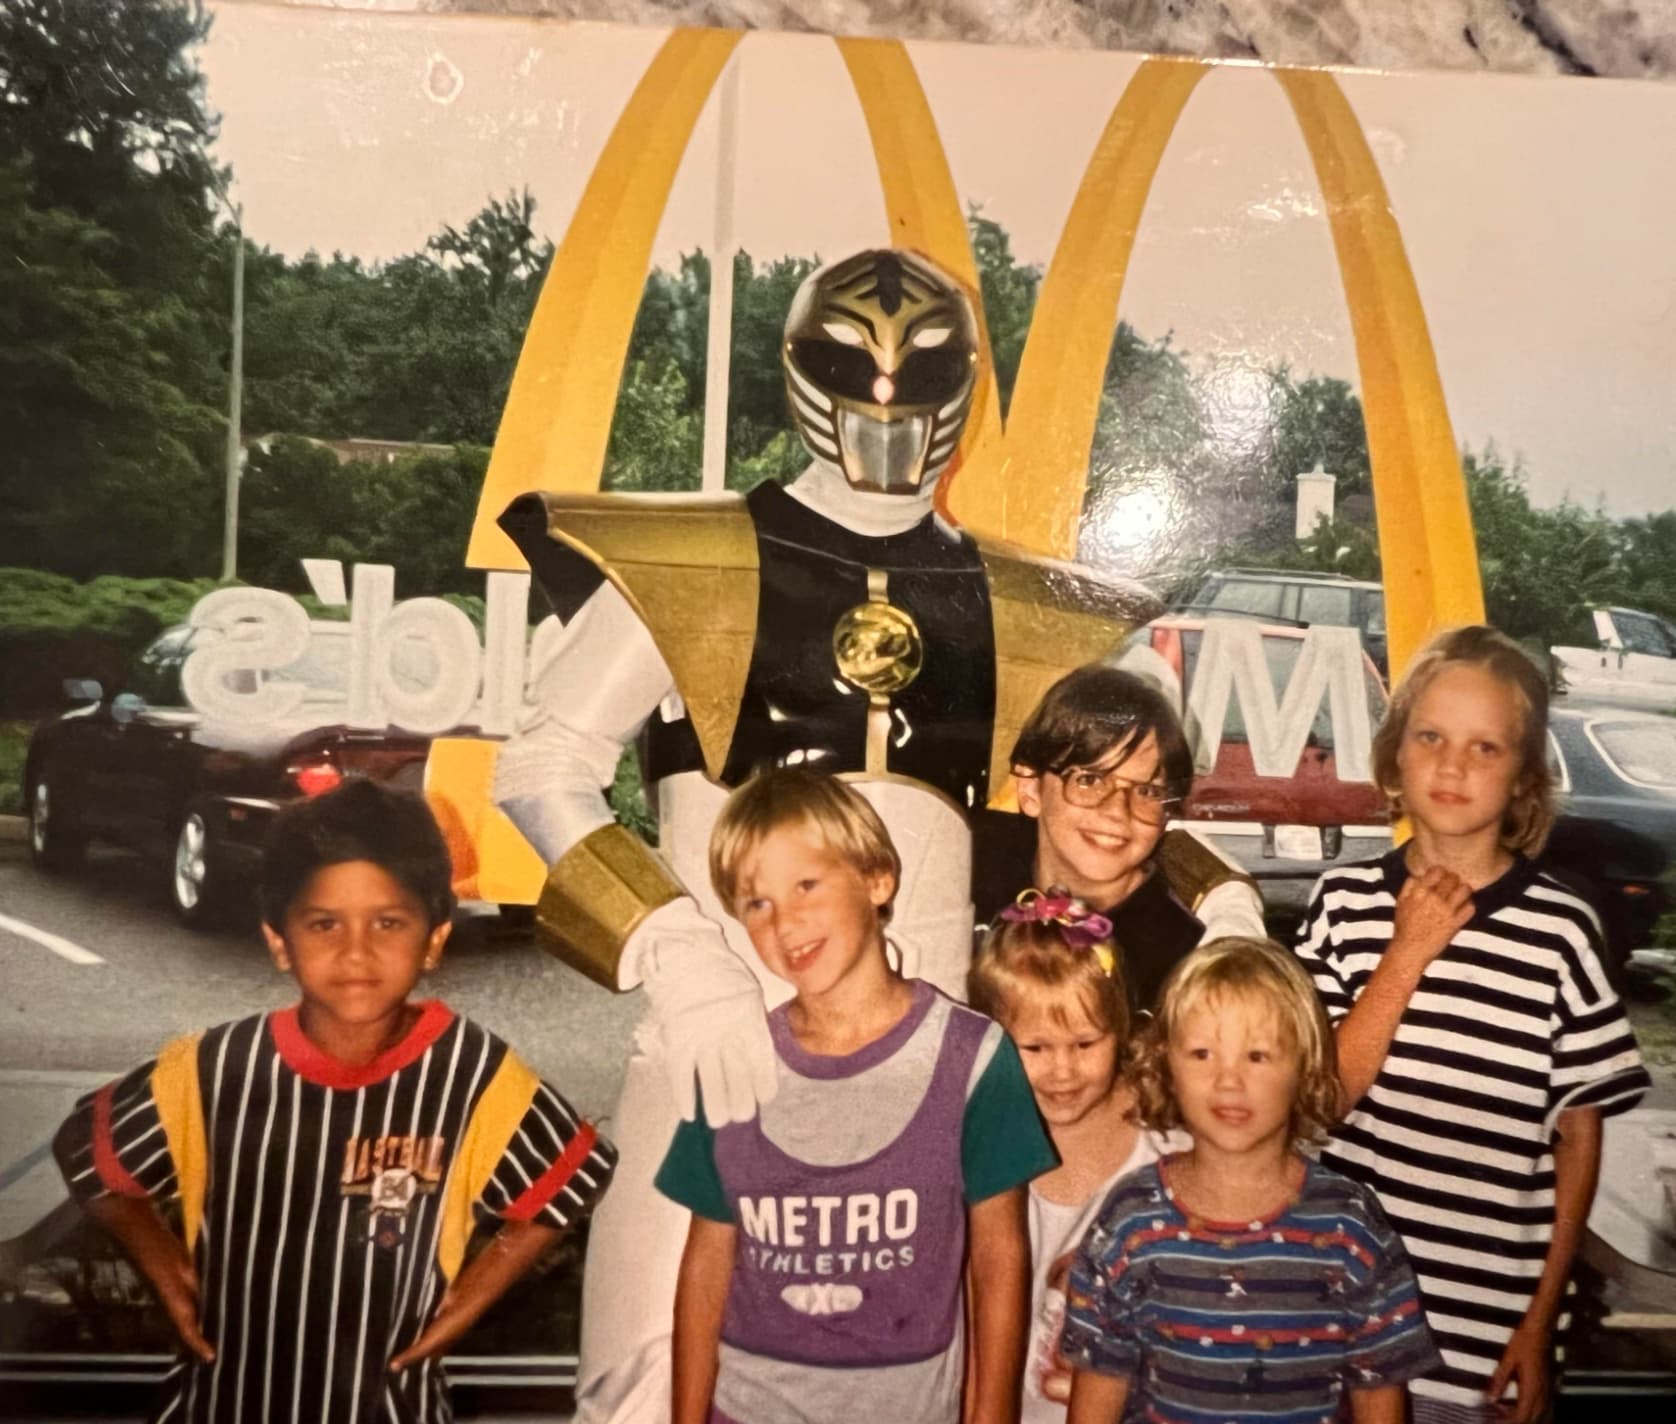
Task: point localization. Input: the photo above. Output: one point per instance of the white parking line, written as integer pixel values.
(63, 948)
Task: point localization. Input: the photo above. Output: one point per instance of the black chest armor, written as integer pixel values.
(798, 709)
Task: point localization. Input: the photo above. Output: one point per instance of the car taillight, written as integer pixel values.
(1631, 888)
(316, 778)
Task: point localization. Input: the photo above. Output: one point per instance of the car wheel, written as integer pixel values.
(197, 884)
(55, 841)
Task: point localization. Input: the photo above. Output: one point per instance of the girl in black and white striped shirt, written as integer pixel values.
(1479, 1042)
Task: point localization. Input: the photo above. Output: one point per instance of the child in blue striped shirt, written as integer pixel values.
(1238, 1279)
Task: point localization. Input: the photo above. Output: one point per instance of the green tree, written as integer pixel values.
(416, 513)
(1009, 293)
(296, 502)
(762, 442)
(113, 344)
(1646, 564)
(657, 439)
(1541, 568)
(1317, 420)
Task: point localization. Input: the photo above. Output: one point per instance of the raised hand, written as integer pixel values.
(1432, 908)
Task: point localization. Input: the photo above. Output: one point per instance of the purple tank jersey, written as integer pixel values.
(856, 1265)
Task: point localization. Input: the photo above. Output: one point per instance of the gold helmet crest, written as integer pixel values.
(881, 356)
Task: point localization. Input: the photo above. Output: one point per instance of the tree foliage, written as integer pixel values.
(114, 339)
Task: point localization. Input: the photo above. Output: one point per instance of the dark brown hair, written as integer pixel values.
(1097, 712)
(360, 820)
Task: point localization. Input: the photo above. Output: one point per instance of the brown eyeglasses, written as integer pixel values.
(1087, 788)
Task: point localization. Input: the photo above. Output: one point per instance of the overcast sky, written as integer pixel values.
(1539, 215)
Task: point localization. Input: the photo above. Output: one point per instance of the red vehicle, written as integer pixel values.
(1283, 830)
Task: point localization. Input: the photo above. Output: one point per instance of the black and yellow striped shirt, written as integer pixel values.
(328, 1207)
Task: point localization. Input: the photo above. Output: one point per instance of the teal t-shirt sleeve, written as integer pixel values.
(1002, 1141)
(688, 1175)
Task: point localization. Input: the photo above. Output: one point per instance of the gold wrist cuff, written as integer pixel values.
(1192, 869)
(595, 897)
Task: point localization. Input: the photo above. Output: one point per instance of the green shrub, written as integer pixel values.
(52, 628)
(14, 741)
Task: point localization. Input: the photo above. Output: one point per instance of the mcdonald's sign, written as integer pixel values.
(1022, 480)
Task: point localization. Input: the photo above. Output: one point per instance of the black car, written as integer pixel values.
(1616, 836)
(139, 767)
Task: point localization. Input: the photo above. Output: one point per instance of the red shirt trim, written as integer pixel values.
(551, 1182)
(306, 1059)
(115, 1178)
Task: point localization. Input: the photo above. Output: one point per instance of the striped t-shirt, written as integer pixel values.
(1273, 1319)
(328, 1207)
(1512, 1024)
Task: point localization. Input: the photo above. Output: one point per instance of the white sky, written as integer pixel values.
(1537, 213)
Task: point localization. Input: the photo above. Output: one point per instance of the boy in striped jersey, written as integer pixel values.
(331, 1159)
(1479, 1042)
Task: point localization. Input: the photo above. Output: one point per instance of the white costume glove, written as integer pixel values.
(708, 1008)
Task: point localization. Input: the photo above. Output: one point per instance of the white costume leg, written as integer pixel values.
(635, 1243)
(634, 1253)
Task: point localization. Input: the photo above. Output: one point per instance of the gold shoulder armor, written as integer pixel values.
(688, 566)
(1193, 869)
(1050, 617)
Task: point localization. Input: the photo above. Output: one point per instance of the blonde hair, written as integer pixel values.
(1530, 814)
(838, 818)
(1031, 962)
(1253, 970)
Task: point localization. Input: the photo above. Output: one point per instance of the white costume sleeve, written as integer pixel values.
(602, 680)
(1232, 908)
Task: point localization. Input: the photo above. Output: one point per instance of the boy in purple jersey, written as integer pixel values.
(822, 1276)
(331, 1159)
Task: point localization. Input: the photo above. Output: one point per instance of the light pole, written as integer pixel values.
(235, 398)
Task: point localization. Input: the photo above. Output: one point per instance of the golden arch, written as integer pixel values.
(557, 419)
(1026, 483)
(1425, 526)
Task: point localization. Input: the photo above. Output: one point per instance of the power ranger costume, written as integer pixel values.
(838, 622)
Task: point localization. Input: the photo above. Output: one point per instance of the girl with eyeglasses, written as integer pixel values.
(1100, 766)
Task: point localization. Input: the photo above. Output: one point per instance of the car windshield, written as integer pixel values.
(324, 670)
(1247, 596)
(1641, 751)
(1280, 654)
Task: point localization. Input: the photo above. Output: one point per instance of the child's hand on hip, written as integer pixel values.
(449, 1323)
(1432, 907)
(175, 1279)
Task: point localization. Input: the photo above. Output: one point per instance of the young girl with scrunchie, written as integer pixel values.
(1046, 973)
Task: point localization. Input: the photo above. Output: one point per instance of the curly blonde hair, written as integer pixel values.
(1031, 962)
(1253, 970)
(1530, 814)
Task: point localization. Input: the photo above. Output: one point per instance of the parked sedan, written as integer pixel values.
(141, 768)
(1616, 775)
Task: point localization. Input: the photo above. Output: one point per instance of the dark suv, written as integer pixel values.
(1297, 597)
(143, 769)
